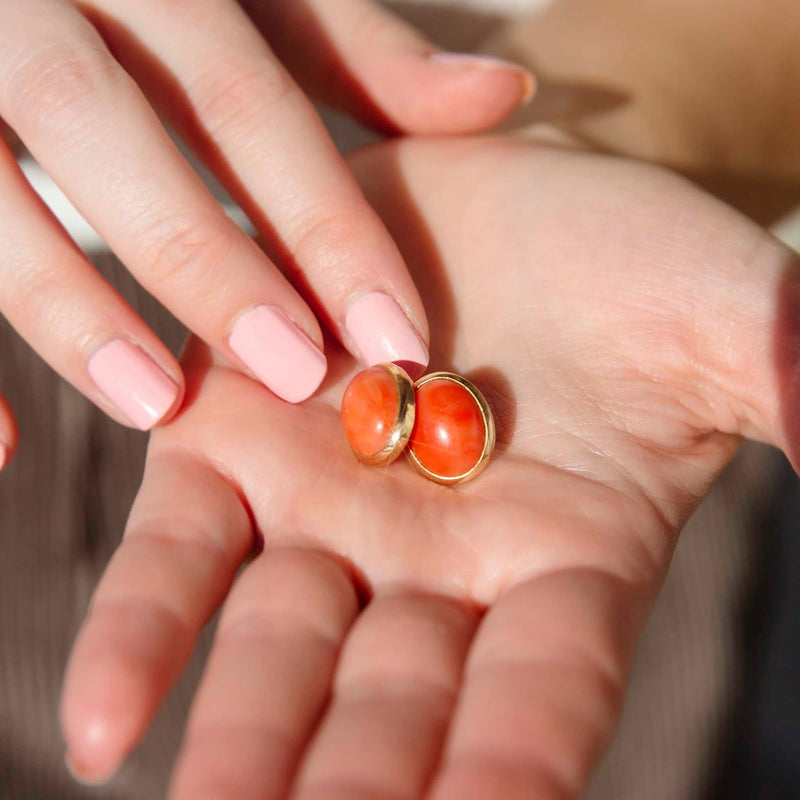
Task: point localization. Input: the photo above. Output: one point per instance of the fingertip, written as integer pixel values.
(90, 756)
(382, 333)
(522, 80)
(138, 387)
(86, 773)
(5, 455)
(8, 434)
(102, 714)
(461, 93)
(292, 366)
(530, 87)
(177, 401)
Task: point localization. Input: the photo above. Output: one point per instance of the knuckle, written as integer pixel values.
(372, 23)
(50, 87)
(38, 294)
(326, 237)
(234, 95)
(188, 252)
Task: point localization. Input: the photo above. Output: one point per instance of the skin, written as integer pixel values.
(82, 86)
(392, 638)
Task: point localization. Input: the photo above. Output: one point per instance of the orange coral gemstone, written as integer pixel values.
(450, 434)
(378, 412)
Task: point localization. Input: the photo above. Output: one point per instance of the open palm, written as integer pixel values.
(399, 639)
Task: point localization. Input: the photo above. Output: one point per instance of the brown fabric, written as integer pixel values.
(688, 675)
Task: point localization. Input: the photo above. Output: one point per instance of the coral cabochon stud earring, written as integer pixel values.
(442, 422)
(454, 434)
(378, 413)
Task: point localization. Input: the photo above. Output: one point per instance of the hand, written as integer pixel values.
(76, 84)
(628, 330)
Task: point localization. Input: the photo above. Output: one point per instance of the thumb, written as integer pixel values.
(748, 345)
(359, 57)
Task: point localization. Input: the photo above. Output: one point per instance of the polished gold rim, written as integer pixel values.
(488, 425)
(404, 423)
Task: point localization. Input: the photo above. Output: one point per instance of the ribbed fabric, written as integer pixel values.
(688, 677)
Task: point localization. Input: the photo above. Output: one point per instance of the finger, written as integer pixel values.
(11, 139)
(542, 688)
(89, 125)
(251, 122)
(65, 310)
(394, 690)
(187, 535)
(8, 433)
(360, 57)
(267, 679)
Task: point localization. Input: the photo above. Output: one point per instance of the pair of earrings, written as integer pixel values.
(442, 422)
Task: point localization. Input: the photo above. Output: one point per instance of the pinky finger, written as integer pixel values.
(8, 433)
(77, 322)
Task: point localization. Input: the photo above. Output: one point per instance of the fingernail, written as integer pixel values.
(3, 455)
(382, 332)
(490, 62)
(133, 382)
(84, 775)
(279, 353)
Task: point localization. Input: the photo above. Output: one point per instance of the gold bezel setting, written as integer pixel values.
(488, 424)
(404, 422)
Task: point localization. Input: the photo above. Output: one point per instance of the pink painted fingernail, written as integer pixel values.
(490, 62)
(280, 354)
(133, 382)
(382, 332)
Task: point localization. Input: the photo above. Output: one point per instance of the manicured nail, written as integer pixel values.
(280, 354)
(382, 332)
(490, 62)
(133, 382)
